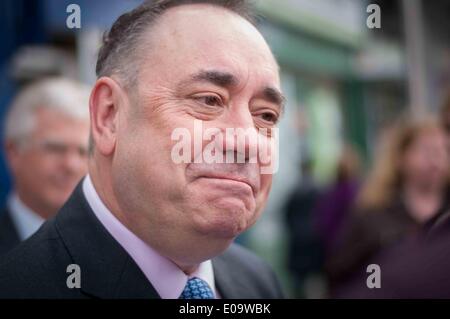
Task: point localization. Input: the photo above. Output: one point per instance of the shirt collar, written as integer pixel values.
(26, 221)
(166, 277)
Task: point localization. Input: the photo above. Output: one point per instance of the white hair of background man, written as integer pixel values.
(68, 97)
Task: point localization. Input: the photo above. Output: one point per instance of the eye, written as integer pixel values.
(269, 117)
(210, 100)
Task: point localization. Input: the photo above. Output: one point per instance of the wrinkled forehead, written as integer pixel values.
(192, 37)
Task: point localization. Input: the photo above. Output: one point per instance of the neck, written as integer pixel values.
(104, 191)
(39, 209)
(187, 269)
(103, 186)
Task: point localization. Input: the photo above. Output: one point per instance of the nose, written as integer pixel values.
(240, 136)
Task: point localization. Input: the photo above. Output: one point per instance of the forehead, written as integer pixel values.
(49, 120)
(192, 37)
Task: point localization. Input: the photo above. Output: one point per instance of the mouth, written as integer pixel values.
(234, 178)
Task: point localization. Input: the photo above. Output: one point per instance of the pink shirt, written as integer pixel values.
(167, 279)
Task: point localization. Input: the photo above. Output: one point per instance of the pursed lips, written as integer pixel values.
(236, 178)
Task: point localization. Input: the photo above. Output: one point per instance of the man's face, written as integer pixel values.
(205, 64)
(47, 166)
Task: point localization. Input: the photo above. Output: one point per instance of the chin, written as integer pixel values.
(57, 200)
(226, 219)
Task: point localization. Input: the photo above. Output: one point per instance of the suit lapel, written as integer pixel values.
(107, 271)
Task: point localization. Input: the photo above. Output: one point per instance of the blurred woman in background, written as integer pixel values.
(408, 188)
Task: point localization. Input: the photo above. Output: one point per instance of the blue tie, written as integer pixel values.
(197, 289)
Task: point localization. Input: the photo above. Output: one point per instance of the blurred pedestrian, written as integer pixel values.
(416, 268)
(334, 206)
(407, 190)
(304, 250)
(46, 141)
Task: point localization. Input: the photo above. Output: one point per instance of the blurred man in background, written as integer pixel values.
(335, 204)
(46, 141)
(304, 249)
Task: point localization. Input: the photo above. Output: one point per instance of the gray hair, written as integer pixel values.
(68, 97)
(118, 53)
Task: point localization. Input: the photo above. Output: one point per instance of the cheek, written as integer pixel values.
(444, 164)
(411, 162)
(144, 169)
(35, 168)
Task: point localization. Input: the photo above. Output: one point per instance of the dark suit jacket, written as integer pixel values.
(9, 238)
(37, 267)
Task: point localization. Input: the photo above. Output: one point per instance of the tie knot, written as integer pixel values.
(197, 288)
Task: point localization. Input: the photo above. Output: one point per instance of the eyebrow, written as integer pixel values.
(218, 78)
(273, 95)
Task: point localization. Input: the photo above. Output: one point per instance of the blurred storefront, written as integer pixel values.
(344, 83)
(316, 44)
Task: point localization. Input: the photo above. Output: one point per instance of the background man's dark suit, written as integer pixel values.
(37, 267)
(9, 238)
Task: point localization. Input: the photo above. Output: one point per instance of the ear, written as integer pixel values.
(104, 103)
